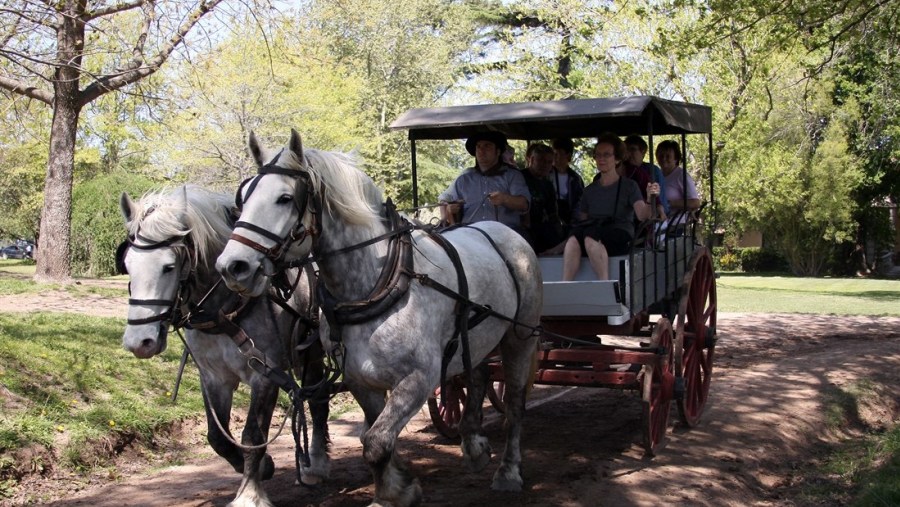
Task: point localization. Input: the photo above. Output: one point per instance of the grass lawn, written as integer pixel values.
(16, 278)
(68, 380)
(737, 292)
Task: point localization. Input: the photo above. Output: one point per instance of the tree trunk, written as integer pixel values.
(53, 263)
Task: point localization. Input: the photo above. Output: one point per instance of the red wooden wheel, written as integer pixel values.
(658, 387)
(446, 418)
(695, 337)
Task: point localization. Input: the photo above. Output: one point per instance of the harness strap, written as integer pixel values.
(509, 267)
(153, 302)
(391, 286)
(463, 306)
(166, 315)
(259, 230)
(256, 359)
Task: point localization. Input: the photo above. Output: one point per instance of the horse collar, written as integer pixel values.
(392, 283)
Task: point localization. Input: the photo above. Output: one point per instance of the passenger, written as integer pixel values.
(566, 181)
(680, 189)
(542, 222)
(509, 156)
(491, 190)
(607, 212)
(640, 171)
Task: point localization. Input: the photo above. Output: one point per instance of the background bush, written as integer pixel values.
(97, 226)
(748, 260)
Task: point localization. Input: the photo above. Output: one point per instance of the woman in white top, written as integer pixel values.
(681, 190)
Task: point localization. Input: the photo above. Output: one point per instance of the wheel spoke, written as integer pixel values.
(696, 318)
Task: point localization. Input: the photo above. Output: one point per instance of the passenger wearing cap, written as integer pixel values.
(491, 190)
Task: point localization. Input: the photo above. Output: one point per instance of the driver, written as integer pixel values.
(491, 190)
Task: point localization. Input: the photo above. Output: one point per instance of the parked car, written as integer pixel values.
(14, 252)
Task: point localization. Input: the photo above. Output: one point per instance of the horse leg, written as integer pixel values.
(319, 464)
(217, 398)
(517, 352)
(475, 446)
(258, 465)
(394, 484)
(372, 404)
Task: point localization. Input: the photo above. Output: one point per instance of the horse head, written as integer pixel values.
(285, 208)
(168, 235)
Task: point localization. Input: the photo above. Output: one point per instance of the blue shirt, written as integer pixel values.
(473, 187)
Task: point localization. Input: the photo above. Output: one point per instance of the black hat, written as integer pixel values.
(495, 137)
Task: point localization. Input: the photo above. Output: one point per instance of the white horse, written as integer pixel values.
(174, 238)
(390, 298)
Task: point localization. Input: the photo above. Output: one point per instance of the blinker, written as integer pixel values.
(121, 250)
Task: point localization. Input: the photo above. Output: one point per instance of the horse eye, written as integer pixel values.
(285, 198)
(168, 268)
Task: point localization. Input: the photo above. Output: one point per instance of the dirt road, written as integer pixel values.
(763, 427)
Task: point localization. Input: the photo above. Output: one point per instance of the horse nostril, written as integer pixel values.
(147, 343)
(237, 268)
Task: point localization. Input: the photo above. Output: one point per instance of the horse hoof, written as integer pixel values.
(411, 497)
(476, 453)
(266, 468)
(477, 463)
(308, 481)
(506, 481)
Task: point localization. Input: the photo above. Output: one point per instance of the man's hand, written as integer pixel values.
(498, 198)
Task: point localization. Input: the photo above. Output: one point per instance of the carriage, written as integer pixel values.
(601, 333)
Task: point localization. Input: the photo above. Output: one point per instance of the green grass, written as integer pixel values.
(70, 381)
(17, 266)
(863, 469)
(16, 278)
(781, 294)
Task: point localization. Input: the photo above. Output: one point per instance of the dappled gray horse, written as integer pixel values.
(391, 293)
(173, 240)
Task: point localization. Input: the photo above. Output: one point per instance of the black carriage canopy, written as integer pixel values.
(576, 118)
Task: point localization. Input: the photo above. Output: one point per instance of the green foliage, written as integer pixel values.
(748, 260)
(252, 81)
(23, 162)
(757, 260)
(726, 259)
(97, 226)
(805, 97)
(405, 54)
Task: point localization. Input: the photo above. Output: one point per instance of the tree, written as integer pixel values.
(824, 71)
(23, 160)
(47, 48)
(407, 53)
(263, 79)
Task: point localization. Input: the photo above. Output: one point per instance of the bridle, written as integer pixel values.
(172, 312)
(304, 198)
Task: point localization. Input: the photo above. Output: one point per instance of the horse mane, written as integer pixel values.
(205, 223)
(347, 191)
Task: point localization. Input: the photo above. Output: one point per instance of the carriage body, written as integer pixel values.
(600, 333)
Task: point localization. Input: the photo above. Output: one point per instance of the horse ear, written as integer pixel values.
(255, 149)
(182, 202)
(128, 207)
(296, 145)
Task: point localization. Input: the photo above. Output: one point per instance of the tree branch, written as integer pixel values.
(21, 88)
(112, 9)
(110, 83)
(22, 15)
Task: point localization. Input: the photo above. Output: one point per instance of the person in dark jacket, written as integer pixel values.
(566, 181)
